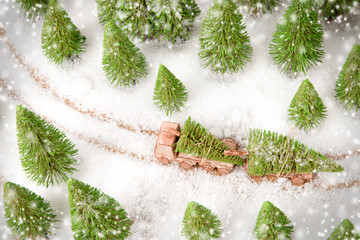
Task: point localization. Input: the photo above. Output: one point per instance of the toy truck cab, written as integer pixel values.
(168, 135)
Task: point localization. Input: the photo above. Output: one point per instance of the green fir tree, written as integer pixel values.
(200, 223)
(307, 110)
(348, 85)
(169, 93)
(95, 215)
(345, 231)
(331, 9)
(196, 141)
(270, 153)
(108, 10)
(297, 42)
(60, 38)
(272, 223)
(224, 42)
(33, 9)
(137, 19)
(189, 12)
(123, 62)
(47, 156)
(260, 6)
(169, 20)
(29, 215)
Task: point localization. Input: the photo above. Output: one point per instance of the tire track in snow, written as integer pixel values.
(44, 83)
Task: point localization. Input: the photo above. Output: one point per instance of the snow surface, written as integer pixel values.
(155, 196)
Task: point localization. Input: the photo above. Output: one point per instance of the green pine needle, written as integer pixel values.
(123, 62)
(60, 39)
(307, 110)
(297, 42)
(169, 93)
(348, 85)
(107, 10)
(272, 223)
(345, 231)
(196, 141)
(29, 215)
(47, 156)
(260, 6)
(95, 215)
(200, 223)
(270, 153)
(330, 9)
(33, 9)
(224, 42)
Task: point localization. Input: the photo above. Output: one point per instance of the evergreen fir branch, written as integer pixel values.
(169, 93)
(345, 231)
(348, 85)
(95, 215)
(189, 12)
(272, 223)
(224, 42)
(60, 38)
(107, 10)
(123, 62)
(260, 6)
(307, 110)
(33, 9)
(265, 149)
(330, 9)
(200, 223)
(47, 156)
(29, 215)
(297, 42)
(196, 141)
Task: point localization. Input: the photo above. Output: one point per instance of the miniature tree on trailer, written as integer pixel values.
(272, 223)
(345, 231)
(29, 215)
(47, 156)
(107, 10)
(348, 85)
(200, 223)
(189, 12)
(169, 93)
(307, 110)
(330, 9)
(123, 62)
(224, 42)
(33, 9)
(297, 42)
(95, 215)
(260, 6)
(60, 38)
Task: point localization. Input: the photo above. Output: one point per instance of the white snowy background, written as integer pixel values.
(155, 196)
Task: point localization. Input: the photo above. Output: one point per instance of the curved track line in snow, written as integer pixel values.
(43, 82)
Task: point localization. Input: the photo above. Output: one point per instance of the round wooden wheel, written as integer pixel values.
(257, 178)
(208, 168)
(222, 171)
(186, 166)
(298, 181)
(164, 160)
(272, 178)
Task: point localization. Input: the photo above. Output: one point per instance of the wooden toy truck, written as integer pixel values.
(169, 134)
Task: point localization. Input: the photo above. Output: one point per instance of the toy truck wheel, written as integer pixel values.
(208, 168)
(298, 181)
(222, 171)
(164, 161)
(186, 166)
(257, 178)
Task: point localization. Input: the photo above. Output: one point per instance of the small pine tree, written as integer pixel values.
(169, 93)
(95, 215)
(47, 156)
(272, 223)
(307, 110)
(260, 6)
(297, 42)
(107, 10)
(200, 223)
(270, 153)
(348, 85)
(196, 141)
(330, 9)
(169, 20)
(60, 38)
(123, 62)
(33, 9)
(189, 11)
(224, 42)
(345, 231)
(137, 19)
(29, 215)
